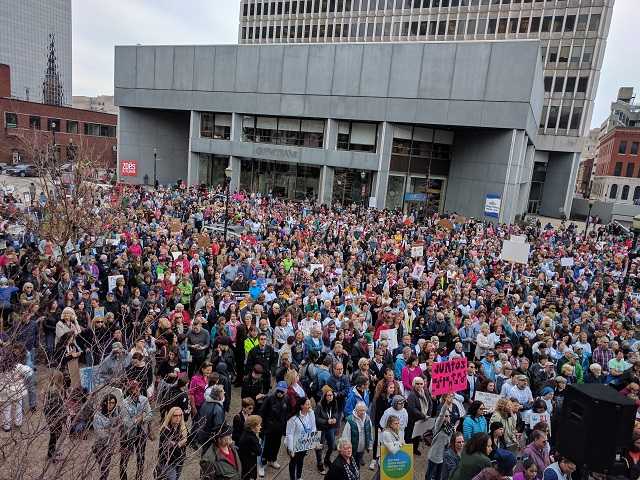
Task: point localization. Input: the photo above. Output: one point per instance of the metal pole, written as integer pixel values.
(226, 209)
(155, 167)
(586, 227)
(630, 257)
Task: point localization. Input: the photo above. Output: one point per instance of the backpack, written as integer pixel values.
(309, 379)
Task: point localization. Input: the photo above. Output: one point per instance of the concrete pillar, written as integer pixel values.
(385, 142)
(193, 160)
(236, 127)
(326, 185)
(193, 169)
(331, 137)
(559, 183)
(234, 163)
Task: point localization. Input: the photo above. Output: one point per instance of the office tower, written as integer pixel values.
(27, 30)
(573, 36)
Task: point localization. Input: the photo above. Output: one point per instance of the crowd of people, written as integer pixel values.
(315, 319)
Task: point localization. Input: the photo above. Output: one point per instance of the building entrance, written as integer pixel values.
(280, 179)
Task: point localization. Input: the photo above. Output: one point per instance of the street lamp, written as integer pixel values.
(586, 226)
(155, 167)
(633, 253)
(363, 191)
(227, 180)
(53, 141)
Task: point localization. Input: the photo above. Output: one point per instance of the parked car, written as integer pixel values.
(22, 170)
(3, 167)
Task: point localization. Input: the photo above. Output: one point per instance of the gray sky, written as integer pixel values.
(99, 25)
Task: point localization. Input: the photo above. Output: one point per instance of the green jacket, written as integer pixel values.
(470, 466)
(214, 466)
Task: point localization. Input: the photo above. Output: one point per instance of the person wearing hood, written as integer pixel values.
(396, 409)
(359, 393)
(274, 412)
(211, 415)
(114, 366)
(503, 468)
(326, 412)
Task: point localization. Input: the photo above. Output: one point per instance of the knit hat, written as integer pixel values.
(495, 426)
(505, 461)
(397, 399)
(546, 391)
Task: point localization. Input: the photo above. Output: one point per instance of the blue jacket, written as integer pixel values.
(312, 346)
(488, 369)
(353, 398)
(399, 365)
(471, 426)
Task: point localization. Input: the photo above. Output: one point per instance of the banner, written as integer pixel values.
(128, 168)
(307, 441)
(492, 205)
(488, 399)
(396, 466)
(449, 377)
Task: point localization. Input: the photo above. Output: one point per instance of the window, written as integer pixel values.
(569, 23)
(625, 189)
(613, 193)
(471, 27)
(543, 117)
(582, 23)
(594, 23)
(571, 85)
(622, 148)
(553, 117)
(244, 32)
(634, 148)
(107, 131)
(53, 124)
(92, 129)
(513, 25)
(558, 85)
(491, 28)
(564, 54)
(563, 124)
(535, 24)
(282, 131)
(10, 120)
(617, 171)
(588, 54)
(502, 25)
(636, 193)
(482, 26)
(548, 82)
(546, 23)
(34, 122)
(441, 27)
(524, 25)
(357, 136)
(553, 54)
(215, 125)
(245, 8)
(451, 27)
(582, 84)
(72, 126)
(557, 24)
(576, 118)
(576, 54)
(629, 170)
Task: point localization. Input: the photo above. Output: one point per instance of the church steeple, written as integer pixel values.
(52, 92)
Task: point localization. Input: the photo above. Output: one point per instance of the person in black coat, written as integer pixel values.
(240, 418)
(327, 422)
(419, 407)
(264, 355)
(254, 387)
(249, 447)
(275, 412)
(344, 467)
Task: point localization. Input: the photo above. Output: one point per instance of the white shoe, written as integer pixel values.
(260, 471)
(275, 465)
(373, 465)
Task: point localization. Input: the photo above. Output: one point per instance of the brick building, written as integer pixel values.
(25, 125)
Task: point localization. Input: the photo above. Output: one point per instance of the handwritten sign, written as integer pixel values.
(307, 441)
(112, 280)
(417, 250)
(488, 399)
(535, 418)
(449, 377)
(396, 466)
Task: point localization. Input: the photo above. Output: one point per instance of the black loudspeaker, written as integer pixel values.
(595, 423)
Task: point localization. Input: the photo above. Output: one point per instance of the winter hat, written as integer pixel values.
(505, 461)
(397, 399)
(546, 391)
(495, 426)
(282, 387)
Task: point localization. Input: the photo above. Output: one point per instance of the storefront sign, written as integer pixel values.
(396, 466)
(415, 197)
(492, 205)
(128, 168)
(449, 377)
(278, 153)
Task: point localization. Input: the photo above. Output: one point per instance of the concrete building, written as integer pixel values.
(391, 125)
(616, 177)
(572, 33)
(25, 29)
(100, 103)
(587, 163)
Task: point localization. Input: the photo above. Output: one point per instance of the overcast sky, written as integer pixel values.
(99, 25)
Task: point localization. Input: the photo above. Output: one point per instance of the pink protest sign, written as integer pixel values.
(449, 377)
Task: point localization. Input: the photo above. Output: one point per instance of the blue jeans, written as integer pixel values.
(329, 439)
(434, 471)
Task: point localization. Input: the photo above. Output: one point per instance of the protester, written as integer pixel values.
(302, 422)
(172, 445)
(344, 467)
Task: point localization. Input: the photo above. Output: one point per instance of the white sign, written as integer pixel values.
(372, 202)
(535, 418)
(112, 281)
(391, 335)
(515, 252)
(176, 255)
(488, 399)
(417, 251)
(519, 238)
(566, 261)
(492, 205)
(307, 441)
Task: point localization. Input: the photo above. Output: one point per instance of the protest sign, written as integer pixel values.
(417, 250)
(74, 372)
(176, 255)
(488, 399)
(446, 224)
(449, 377)
(396, 466)
(516, 252)
(566, 261)
(306, 441)
(391, 335)
(535, 418)
(112, 281)
(423, 426)
(203, 240)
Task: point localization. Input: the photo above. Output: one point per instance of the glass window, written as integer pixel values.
(613, 193)
(564, 54)
(634, 148)
(553, 117)
(571, 85)
(10, 120)
(312, 133)
(557, 23)
(548, 82)
(594, 23)
(629, 172)
(107, 131)
(535, 24)
(558, 85)
(72, 126)
(357, 136)
(491, 27)
(543, 117)
(34, 123)
(576, 118)
(576, 54)
(625, 189)
(587, 56)
(582, 23)
(524, 25)
(248, 128)
(441, 26)
(513, 25)
(622, 147)
(546, 23)
(563, 124)
(617, 171)
(582, 84)
(553, 54)
(569, 23)
(482, 26)
(92, 129)
(53, 125)
(502, 25)
(471, 27)
(451, 27)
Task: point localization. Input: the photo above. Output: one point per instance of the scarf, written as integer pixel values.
(351, 470)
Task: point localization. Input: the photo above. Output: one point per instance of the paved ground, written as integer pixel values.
(23, 454)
